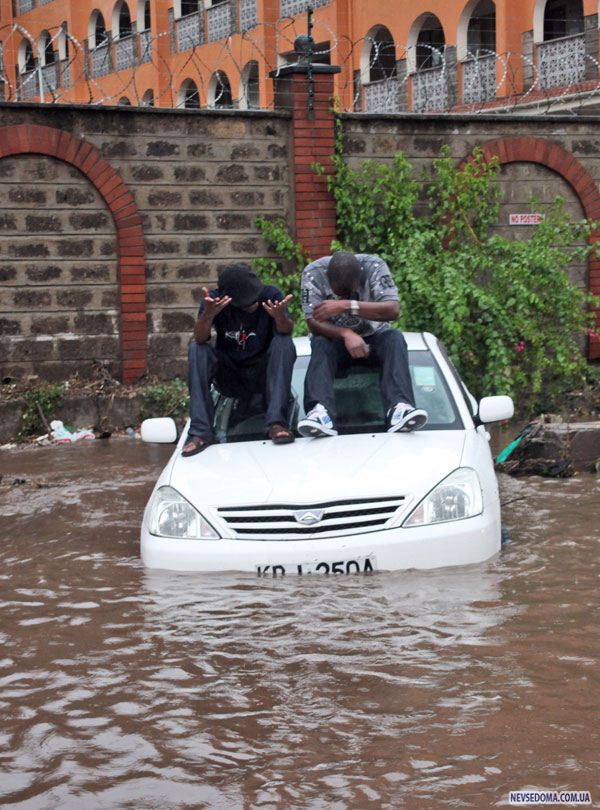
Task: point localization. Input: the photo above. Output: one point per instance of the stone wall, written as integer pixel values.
(58, 271)
(421, 139)
(200, 179)
(112, 221)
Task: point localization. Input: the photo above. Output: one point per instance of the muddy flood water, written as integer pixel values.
(127, 688)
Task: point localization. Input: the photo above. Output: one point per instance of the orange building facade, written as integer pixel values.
(424, 56)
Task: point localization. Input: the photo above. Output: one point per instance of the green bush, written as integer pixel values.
(506, 310)
(40, 404)
(276, 235)
(169, 398)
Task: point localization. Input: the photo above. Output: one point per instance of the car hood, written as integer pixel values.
(312, 471)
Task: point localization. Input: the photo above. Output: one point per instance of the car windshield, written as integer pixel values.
(358, 402)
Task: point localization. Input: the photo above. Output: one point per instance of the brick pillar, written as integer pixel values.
(161, 29)
(313, 140)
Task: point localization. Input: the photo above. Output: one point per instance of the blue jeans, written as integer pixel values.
(269, 373)
(387, 351)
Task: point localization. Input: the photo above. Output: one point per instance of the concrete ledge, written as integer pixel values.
(581, 441)
(106, 412)
(557, 449)
(11, 414)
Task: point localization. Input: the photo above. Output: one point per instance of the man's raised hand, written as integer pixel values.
(277, 309)
(212, 306)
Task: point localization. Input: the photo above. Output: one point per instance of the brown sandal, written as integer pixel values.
(195, 445)
(280, 434)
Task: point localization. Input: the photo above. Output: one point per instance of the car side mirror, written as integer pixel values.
(162, 430)
(495, 409)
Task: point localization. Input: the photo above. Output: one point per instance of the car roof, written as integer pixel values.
(414, 342)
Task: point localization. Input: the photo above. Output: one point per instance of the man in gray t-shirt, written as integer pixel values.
(375, 284)
(348, 301)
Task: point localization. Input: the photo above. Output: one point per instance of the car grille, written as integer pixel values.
(340, 518)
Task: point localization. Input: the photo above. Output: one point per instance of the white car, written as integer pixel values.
(361, 501)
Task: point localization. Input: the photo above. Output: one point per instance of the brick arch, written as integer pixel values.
(26, 139)
(565, 164)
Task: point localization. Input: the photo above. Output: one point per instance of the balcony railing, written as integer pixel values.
(65, 73)
(430, 90)
(289, 8)
(23, 6)
(219, 22)
(248, 15)
(382, 96)
(561, 61)
(145, 46)
(50, 79)
(28, 85)
(101, 60)
(479, 79)
(44, 82)
(125, 52)
(189, 31)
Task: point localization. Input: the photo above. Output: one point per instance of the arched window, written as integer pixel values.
(189, 96)
(148, 98)
(559, 63)
(382, 55)
(563, 18)
(121, 21)
(481, 33)
(476, 49)
(97, 30)
(63, 42)
(124, 102)
(144, 18)
(250, 95)
(26, 57)
(219, 91)
(46, 49)
(28, 86)
(186, 7)
(430, 43)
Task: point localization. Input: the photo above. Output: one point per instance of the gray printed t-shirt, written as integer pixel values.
(376, 284)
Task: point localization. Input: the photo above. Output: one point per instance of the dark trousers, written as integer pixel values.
(387, 351)
(269, 373)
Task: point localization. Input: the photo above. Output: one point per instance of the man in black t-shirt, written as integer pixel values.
(254, 352)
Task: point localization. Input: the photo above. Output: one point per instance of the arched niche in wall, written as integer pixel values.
(249, 95)
(188, 96)
(219, 91)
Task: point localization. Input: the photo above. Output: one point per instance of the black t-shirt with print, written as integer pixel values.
(244, 335)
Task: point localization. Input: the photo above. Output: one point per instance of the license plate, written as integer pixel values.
(359, 565)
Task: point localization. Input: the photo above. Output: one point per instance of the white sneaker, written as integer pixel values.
(406, 418)
(317, 423)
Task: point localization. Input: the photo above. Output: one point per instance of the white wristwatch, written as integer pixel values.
(354, 307)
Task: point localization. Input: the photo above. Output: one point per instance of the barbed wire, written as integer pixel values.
(376, 76)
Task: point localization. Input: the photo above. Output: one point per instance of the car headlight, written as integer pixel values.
(456, 497)
(172, 516)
